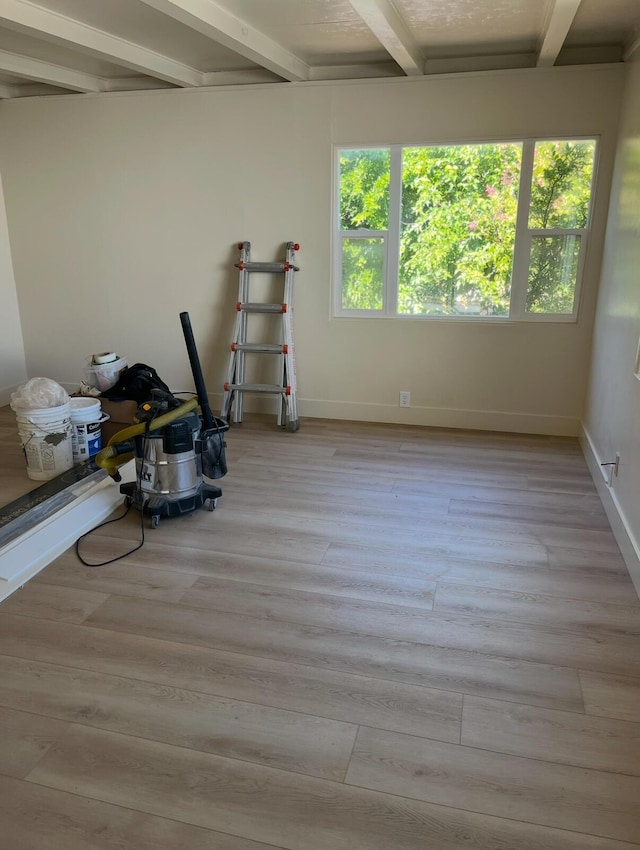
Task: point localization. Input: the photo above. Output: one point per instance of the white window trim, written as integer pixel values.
(522, 242)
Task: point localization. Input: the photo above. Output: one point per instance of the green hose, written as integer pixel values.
(109, 458)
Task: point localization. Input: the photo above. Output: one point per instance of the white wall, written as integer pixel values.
(125, 209)
(13, 370)
(612, 418)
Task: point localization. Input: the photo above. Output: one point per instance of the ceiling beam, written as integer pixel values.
(42, 23)
(46, 72)
(631, 46)
(560, 15)
(135, 84)
(7, 91)
(246, 77)
(221, 26)
(391, 31)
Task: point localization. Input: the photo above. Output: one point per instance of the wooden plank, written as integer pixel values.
(623, 620)
(24, 739)
(327, 693)
(342, 584)
(365, 511)
(552, 515)
(567, 558)
(338, 492)
(506, 496)
(577, 583)
(547, 644)
(260, 803)
(611, 696)
(245, 537)
(123, 578)
(558, 736)
(35, 818)
(345, 597)
(523, 789)
(369, 655)
(138, 575)
(297, 742)
(270, 471)
(50, 602)
(503, 462)
(559, 484)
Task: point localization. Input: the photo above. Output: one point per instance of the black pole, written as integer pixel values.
(208, 420)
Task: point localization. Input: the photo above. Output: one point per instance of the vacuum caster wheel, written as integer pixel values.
(155, 521)
(211, 504)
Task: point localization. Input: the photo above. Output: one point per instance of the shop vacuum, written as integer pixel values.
(174, 447)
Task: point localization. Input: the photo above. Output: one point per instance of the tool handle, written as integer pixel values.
(196, 371)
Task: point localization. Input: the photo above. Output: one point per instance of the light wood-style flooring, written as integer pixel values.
(14, 481)
(384, 638)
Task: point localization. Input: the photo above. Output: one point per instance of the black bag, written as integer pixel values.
(136, 383)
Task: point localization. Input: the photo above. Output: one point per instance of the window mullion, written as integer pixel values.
(522, 243)
(393, 234)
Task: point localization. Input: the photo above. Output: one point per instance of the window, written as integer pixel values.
(493, 230)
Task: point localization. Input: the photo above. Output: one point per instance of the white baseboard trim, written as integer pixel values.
(435, 417)
(441, 417)
(25, 556)
(625, 538)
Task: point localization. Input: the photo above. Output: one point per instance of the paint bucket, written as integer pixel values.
(46, 440)
(103, 376)
(86, 427)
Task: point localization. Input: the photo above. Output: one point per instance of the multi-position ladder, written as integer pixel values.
(235, 386)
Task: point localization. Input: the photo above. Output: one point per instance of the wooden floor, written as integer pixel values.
(14, 481)
(384, 638)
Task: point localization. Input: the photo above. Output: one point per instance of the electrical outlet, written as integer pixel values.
(405, 399)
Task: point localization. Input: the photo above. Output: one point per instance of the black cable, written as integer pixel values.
(118, 518)
(102, 525)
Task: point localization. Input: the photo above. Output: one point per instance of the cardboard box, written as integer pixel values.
(120, 414)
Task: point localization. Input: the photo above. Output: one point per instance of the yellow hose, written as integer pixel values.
(110, 460)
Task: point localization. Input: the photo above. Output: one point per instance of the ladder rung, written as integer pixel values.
(273, 268)
(258, 307)
(257, 388)
(259, 348)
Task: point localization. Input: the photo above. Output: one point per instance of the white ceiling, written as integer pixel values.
(61, 47)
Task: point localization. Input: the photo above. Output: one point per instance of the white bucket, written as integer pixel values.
(103, 376)
(86, 422)
(46, 441)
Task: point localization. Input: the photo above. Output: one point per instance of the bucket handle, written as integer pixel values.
(39, 427)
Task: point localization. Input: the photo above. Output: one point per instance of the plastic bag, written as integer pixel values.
(37, 394)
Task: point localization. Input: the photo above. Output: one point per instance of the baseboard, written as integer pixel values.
(441, 417)
(435, 417)
(625, 538)
(25, 556)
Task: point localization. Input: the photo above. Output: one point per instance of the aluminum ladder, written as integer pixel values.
(235, 385)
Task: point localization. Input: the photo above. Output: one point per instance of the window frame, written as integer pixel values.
(523, 241)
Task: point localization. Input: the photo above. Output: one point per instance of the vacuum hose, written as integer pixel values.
(110, 458)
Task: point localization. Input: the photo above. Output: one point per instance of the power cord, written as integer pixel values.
(119, 518)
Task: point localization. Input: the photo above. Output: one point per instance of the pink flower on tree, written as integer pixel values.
(491, 191)
(473, 225)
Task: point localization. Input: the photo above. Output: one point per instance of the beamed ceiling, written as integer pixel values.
(58, 47)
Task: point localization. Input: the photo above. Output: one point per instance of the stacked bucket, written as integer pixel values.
(58, 431)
